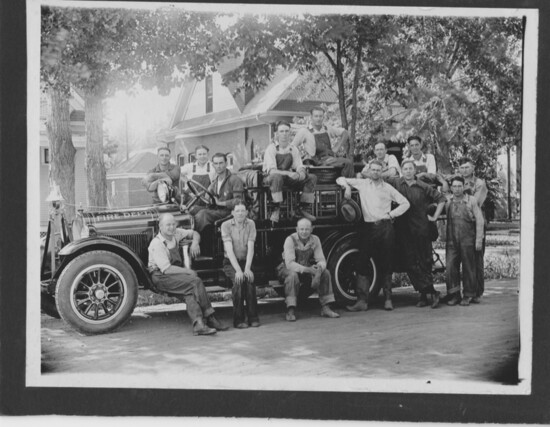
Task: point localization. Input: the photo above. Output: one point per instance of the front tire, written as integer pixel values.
(342, 265)
(97, 292)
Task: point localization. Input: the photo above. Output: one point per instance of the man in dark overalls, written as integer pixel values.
(425, 162)
(201, 171)
(283, 167)
(464, 238)
(316, 143)
(304, 264)
(477, 188)
(169, 275)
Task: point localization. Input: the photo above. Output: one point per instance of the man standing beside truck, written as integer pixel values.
(376, 234)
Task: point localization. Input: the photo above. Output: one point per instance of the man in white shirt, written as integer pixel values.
(390, 164)
(283, 167)
(202, 171)
(425, 162)
(377, 235)
(169, 274)
(324, 145)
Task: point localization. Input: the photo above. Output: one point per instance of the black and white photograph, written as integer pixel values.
(306, 199)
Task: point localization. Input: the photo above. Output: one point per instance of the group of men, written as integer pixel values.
(389, 192)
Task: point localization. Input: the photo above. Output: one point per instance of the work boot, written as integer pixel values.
(465, 301)
(300, 212)
(388, 304)
(455, 299)
(475, 300)
(327, 312)
(360, 305)
(212, 322)
(435, 299)
(199, 328)
(362, 287)
(275, 215)
(241, 325)
(255, 324)
(290, 316)
(423, 301)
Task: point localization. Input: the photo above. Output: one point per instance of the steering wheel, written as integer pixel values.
(200, 192)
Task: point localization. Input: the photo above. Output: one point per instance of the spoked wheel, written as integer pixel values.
(96, 292)
(343, 264)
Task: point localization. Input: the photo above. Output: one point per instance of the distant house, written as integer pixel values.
(78, 130)
(124, 188)
(211, 114)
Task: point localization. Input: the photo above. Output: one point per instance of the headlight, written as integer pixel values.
(80, 230)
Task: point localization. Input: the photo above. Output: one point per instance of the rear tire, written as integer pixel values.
(342, 265)
(97, 292)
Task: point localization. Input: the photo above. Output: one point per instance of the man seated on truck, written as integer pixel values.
(202, 171)
(227, 189)
(165, 172)
(238, 236)
(169, 274)
(283, 166)
(304, 264)
(317, 142)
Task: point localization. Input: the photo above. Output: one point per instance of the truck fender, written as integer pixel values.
(105, 243)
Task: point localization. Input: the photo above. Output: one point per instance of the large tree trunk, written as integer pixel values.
(95, 167)
(62, 151)
(442, 153)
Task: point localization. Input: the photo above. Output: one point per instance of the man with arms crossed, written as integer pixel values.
(376, 234)
(169, 274)
(317, 141)
(304, 264)
(238, 236)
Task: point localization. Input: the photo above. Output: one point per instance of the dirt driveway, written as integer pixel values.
(478, 343)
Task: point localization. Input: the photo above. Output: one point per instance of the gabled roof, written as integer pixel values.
(273, 99)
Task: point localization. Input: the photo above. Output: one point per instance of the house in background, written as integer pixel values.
(78, 130)
(124, 188)
(211, 114)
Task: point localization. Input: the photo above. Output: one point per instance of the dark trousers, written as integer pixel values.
(418, 261)
(205, 217)
(293, 281)
(456, 255)
(188, 287)
(480, 266)
(242, 293)
(377, 242)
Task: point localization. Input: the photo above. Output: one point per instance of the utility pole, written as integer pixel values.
(126, 123)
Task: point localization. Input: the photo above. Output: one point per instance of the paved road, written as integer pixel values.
(478, 343)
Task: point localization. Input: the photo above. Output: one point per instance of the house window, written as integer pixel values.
(181, 160)
(209, 94)
(192, 157)
(113, 188)
(46, 156)
(230, 161)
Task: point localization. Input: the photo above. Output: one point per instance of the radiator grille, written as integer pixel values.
(139, 243)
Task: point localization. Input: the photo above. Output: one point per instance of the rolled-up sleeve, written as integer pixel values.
(226, 232)
(398, 198)
(252, 232)
(270, 161)
(305, 137)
